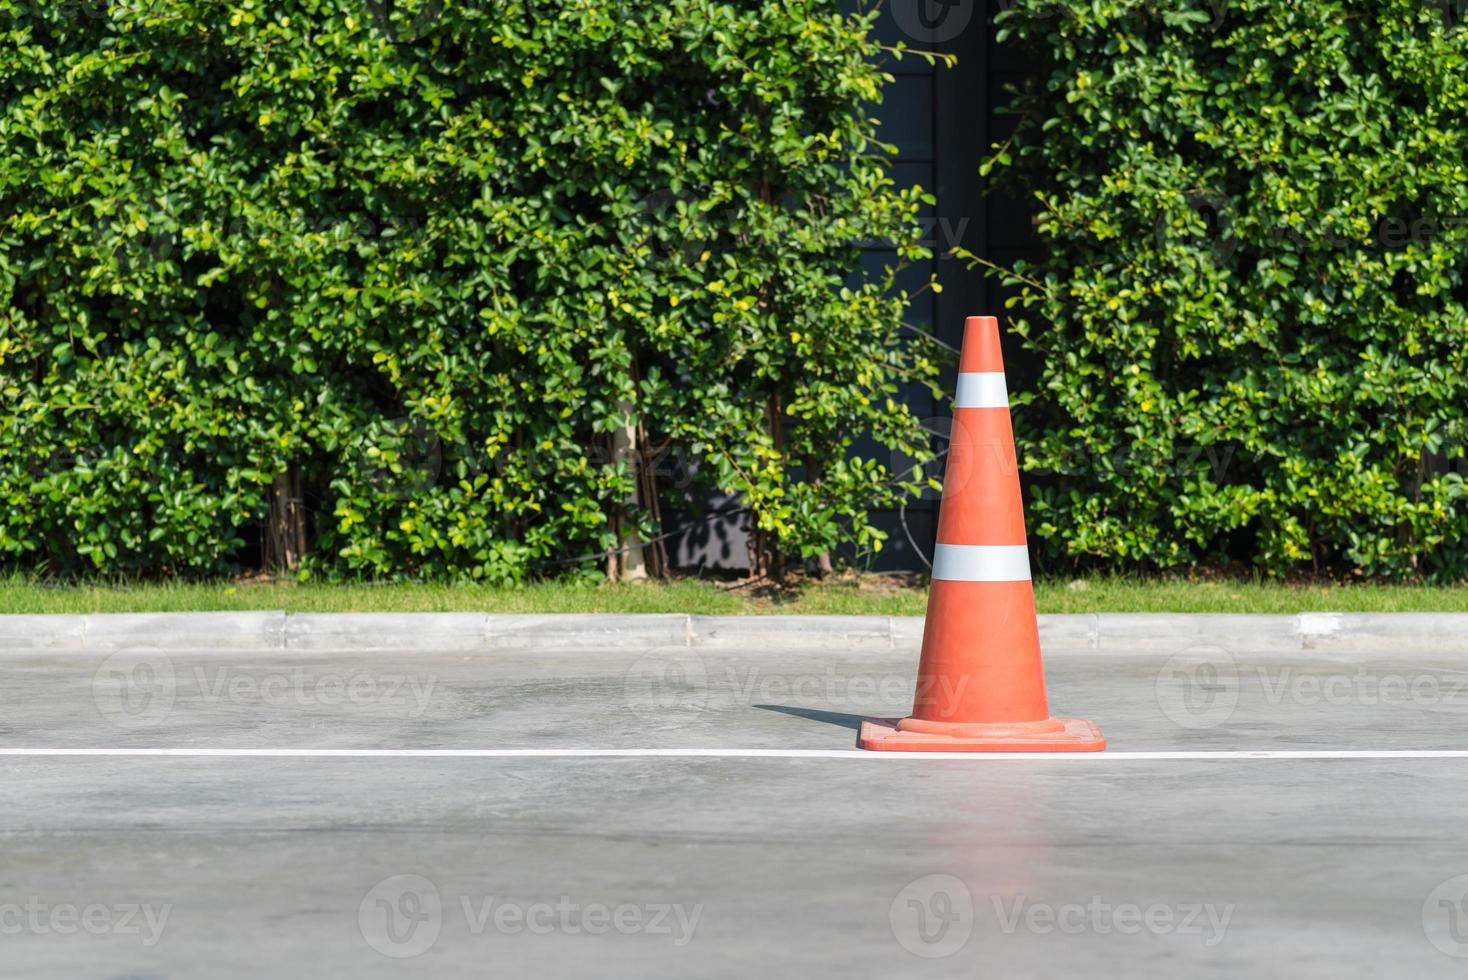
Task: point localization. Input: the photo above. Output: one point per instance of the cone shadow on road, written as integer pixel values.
(838, 718)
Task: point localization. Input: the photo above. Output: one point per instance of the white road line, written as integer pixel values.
(696, 753)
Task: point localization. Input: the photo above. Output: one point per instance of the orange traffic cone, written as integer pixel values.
(981, 684)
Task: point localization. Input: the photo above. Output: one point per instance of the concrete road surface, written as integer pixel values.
(1234, 828)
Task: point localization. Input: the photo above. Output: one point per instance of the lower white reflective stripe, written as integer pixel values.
(981, 389)
(981, 563)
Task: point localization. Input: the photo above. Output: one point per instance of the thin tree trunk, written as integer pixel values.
(285, 537)
(756, 550)
(655, 551)
(630, 565)
(815, 472)
(775, 560)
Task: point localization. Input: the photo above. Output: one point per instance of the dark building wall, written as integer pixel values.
(943, 121)
(938, 118)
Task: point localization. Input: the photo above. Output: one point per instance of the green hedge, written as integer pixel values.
(421, 259)
(1248, 307)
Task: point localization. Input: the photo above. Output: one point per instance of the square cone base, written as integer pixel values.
(881, 735)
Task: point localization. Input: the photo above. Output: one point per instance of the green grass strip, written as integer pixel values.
(850, 595)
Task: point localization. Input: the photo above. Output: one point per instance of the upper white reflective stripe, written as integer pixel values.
(981, 563)
(981, 389)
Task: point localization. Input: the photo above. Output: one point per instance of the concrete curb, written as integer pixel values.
(488, 632)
